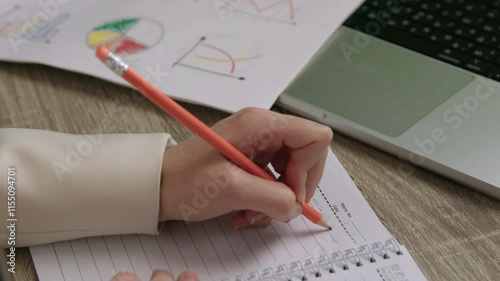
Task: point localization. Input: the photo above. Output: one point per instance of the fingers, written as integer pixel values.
(125, 276)
(295, 146)
(249, 218)
(305, 167)
(158, 275)
(314, 175)
(161, 275)
(274, 199)
(188, 276)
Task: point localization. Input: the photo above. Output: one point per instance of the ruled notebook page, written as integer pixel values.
(213, 248)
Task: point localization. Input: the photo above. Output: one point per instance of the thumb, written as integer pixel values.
(125, 276)
(188, 276)
(274, 199)
(161, 275)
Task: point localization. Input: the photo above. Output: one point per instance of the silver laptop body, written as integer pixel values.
(420, 109)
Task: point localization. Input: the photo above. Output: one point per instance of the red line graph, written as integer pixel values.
(211, 58)
(229, 57)
(283, 11)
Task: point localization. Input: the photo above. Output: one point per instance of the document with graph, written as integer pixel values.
(227, 54)
(358, 248)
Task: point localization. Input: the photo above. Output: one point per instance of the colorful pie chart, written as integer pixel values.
(126, 36)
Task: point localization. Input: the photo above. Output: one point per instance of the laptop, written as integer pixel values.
(417, 78)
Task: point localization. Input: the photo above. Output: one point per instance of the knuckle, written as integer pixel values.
(284, 207)
(247, 114)
(326, 133)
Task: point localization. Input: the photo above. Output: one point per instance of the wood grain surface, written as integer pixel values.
(452, 231)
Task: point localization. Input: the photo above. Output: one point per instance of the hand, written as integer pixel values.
(158, 275)
(199, 183)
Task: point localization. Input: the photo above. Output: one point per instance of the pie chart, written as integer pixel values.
(126, 36)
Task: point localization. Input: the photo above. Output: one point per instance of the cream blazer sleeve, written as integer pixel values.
(72, 186)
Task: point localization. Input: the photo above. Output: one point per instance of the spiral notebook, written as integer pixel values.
(358, 248)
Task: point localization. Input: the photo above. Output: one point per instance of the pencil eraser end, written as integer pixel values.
(102, 53)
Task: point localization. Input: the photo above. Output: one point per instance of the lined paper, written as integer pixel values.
(213, 248)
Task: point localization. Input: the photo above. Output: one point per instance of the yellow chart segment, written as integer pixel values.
(101, 37)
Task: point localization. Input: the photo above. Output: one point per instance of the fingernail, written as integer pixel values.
(297, 210)
(257, 218)
(301, 198)
(240, 220)
(159, 272)
(241, 225)
(189, 276)
(124, 276)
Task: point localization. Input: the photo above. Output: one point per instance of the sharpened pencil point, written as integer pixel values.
(330, 228)
(324, 224)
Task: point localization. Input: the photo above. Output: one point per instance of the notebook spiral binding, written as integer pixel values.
(325, 264)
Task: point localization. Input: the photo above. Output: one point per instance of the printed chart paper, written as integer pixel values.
(227, 54)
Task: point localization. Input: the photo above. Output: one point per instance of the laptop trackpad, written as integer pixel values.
(381, 86)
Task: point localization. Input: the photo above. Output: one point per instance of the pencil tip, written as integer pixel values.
(330, 228)
(324, 224)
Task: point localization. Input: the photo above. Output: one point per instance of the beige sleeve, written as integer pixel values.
(73, 186)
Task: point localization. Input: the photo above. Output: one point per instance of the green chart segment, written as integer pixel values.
(118, 26)
(126, 36)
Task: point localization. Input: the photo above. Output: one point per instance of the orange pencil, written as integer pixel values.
(191, 122)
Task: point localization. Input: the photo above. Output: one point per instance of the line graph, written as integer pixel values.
(274, 10)
(211, 58)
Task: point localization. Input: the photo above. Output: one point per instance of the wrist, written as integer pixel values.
(166, 172)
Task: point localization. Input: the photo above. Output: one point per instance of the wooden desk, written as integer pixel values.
(452, 232)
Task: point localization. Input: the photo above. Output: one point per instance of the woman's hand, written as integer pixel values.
(199, 183)
(158, 275)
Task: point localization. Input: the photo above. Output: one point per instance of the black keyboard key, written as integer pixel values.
(431, 6)
(462, 45)
(408, 12)
(478, 66)
(363, 10)
(493, 14)
(454, 2)
(452, 56)
(424, 18)
(442, 38)
(460, 32)
(475, 8)
(484, 53)
(494, 74)
(424, 32)
(398, 37)
(404, 24)
(452, 13)
(472, 20)
(410, 2)
(448, 26)
(465, 31)
(488, 39)
(395, 10)
(495, 3)
(489, 27)
(375, 3)
(470, 32)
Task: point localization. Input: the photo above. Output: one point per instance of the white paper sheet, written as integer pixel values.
(215, 250)
(227, 54)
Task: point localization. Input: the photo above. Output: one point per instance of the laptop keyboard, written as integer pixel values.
(460, 32)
